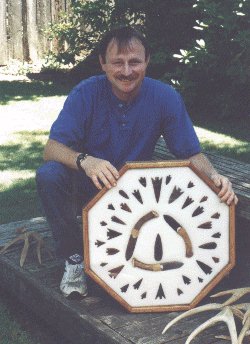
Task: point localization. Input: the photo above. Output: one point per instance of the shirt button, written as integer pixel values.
(120, 105)
(123, 124)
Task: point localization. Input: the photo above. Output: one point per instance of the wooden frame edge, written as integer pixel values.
(204, 292)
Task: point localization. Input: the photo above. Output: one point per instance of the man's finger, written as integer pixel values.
(216, 180)
(227, 196)
(103, 178)
(226, 186)
(236, 200)
(96, 182)
(230, 199)
(110, 177)
(113, 170)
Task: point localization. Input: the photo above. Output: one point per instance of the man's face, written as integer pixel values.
(125, 69)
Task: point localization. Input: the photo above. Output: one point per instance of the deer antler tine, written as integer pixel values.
(237, 312)
(223, 337)
(24, 250)
(3, 250)
(38, 251)
(237, 294)
(225, 315)
(209, 307)
(245, 328)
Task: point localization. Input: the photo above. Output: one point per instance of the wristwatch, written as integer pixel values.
(80, 157)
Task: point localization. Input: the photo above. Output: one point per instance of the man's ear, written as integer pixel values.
(147, 60)
(102, 62)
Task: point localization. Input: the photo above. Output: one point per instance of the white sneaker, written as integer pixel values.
(74, 280)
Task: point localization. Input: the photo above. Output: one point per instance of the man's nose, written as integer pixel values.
(126, 70)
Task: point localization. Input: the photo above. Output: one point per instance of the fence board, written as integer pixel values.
(32, 30)
(3, 33)
(15, 30)
(22, 28)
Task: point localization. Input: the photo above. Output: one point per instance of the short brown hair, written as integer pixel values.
(122, 36)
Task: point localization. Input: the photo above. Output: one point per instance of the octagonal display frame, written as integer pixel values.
(218, 276)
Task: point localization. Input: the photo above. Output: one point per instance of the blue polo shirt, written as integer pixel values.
(94, 120)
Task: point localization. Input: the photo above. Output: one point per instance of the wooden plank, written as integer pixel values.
(98, 318)
(43, 15)
(32, 31)
(15, 29)
(3, 34)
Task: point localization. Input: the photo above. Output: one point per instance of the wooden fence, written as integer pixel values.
(22, 25)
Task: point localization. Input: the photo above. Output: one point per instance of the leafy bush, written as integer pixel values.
(202, 46)
(215, 70)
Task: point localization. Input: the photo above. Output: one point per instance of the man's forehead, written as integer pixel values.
(124, 47)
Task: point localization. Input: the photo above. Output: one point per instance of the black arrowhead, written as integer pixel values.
(206, 225)
(209, 246)
(198, 211)
(112, 251)
(114, 272)
(112, 234)
(99, 243)
(143, 181)
(158, 252)
(124, 288)
(176, 193)
(160, 294)
(117, 220)
(216, 235)
(157, 187)
(204, 267)
(137, 195)
(187, 202)
(186, 279)
(123, 194)
(137, 284)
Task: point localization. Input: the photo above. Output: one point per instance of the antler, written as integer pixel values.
(226, 315)
(25, 235)
(237, 294)
(209, 307)
(246, 322)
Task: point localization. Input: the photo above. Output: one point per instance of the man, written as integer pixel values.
(106, 121)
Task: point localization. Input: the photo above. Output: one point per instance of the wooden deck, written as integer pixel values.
(98, 318)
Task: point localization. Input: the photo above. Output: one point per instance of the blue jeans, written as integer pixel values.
(63, 192)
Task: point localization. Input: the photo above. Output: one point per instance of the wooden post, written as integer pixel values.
(3, 34)
(15, 43)
(32, 32)
(43, 21)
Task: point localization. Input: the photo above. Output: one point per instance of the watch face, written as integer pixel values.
(161, 239)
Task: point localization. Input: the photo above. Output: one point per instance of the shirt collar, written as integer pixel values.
(118, 103)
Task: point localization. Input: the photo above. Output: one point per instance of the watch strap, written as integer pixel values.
(80, 157)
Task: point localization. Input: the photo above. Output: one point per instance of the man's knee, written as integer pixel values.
(52, 172)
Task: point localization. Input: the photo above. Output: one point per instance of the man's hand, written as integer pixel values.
(226, 193)
(100, 171)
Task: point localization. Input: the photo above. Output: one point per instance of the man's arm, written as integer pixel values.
(226, 193)
(98, 170)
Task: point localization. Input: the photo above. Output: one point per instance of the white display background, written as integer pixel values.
(176, 292)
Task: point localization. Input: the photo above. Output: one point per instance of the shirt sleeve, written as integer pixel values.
(178, 130)
(69, 127)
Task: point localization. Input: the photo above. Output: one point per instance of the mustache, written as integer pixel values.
(126, 78)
